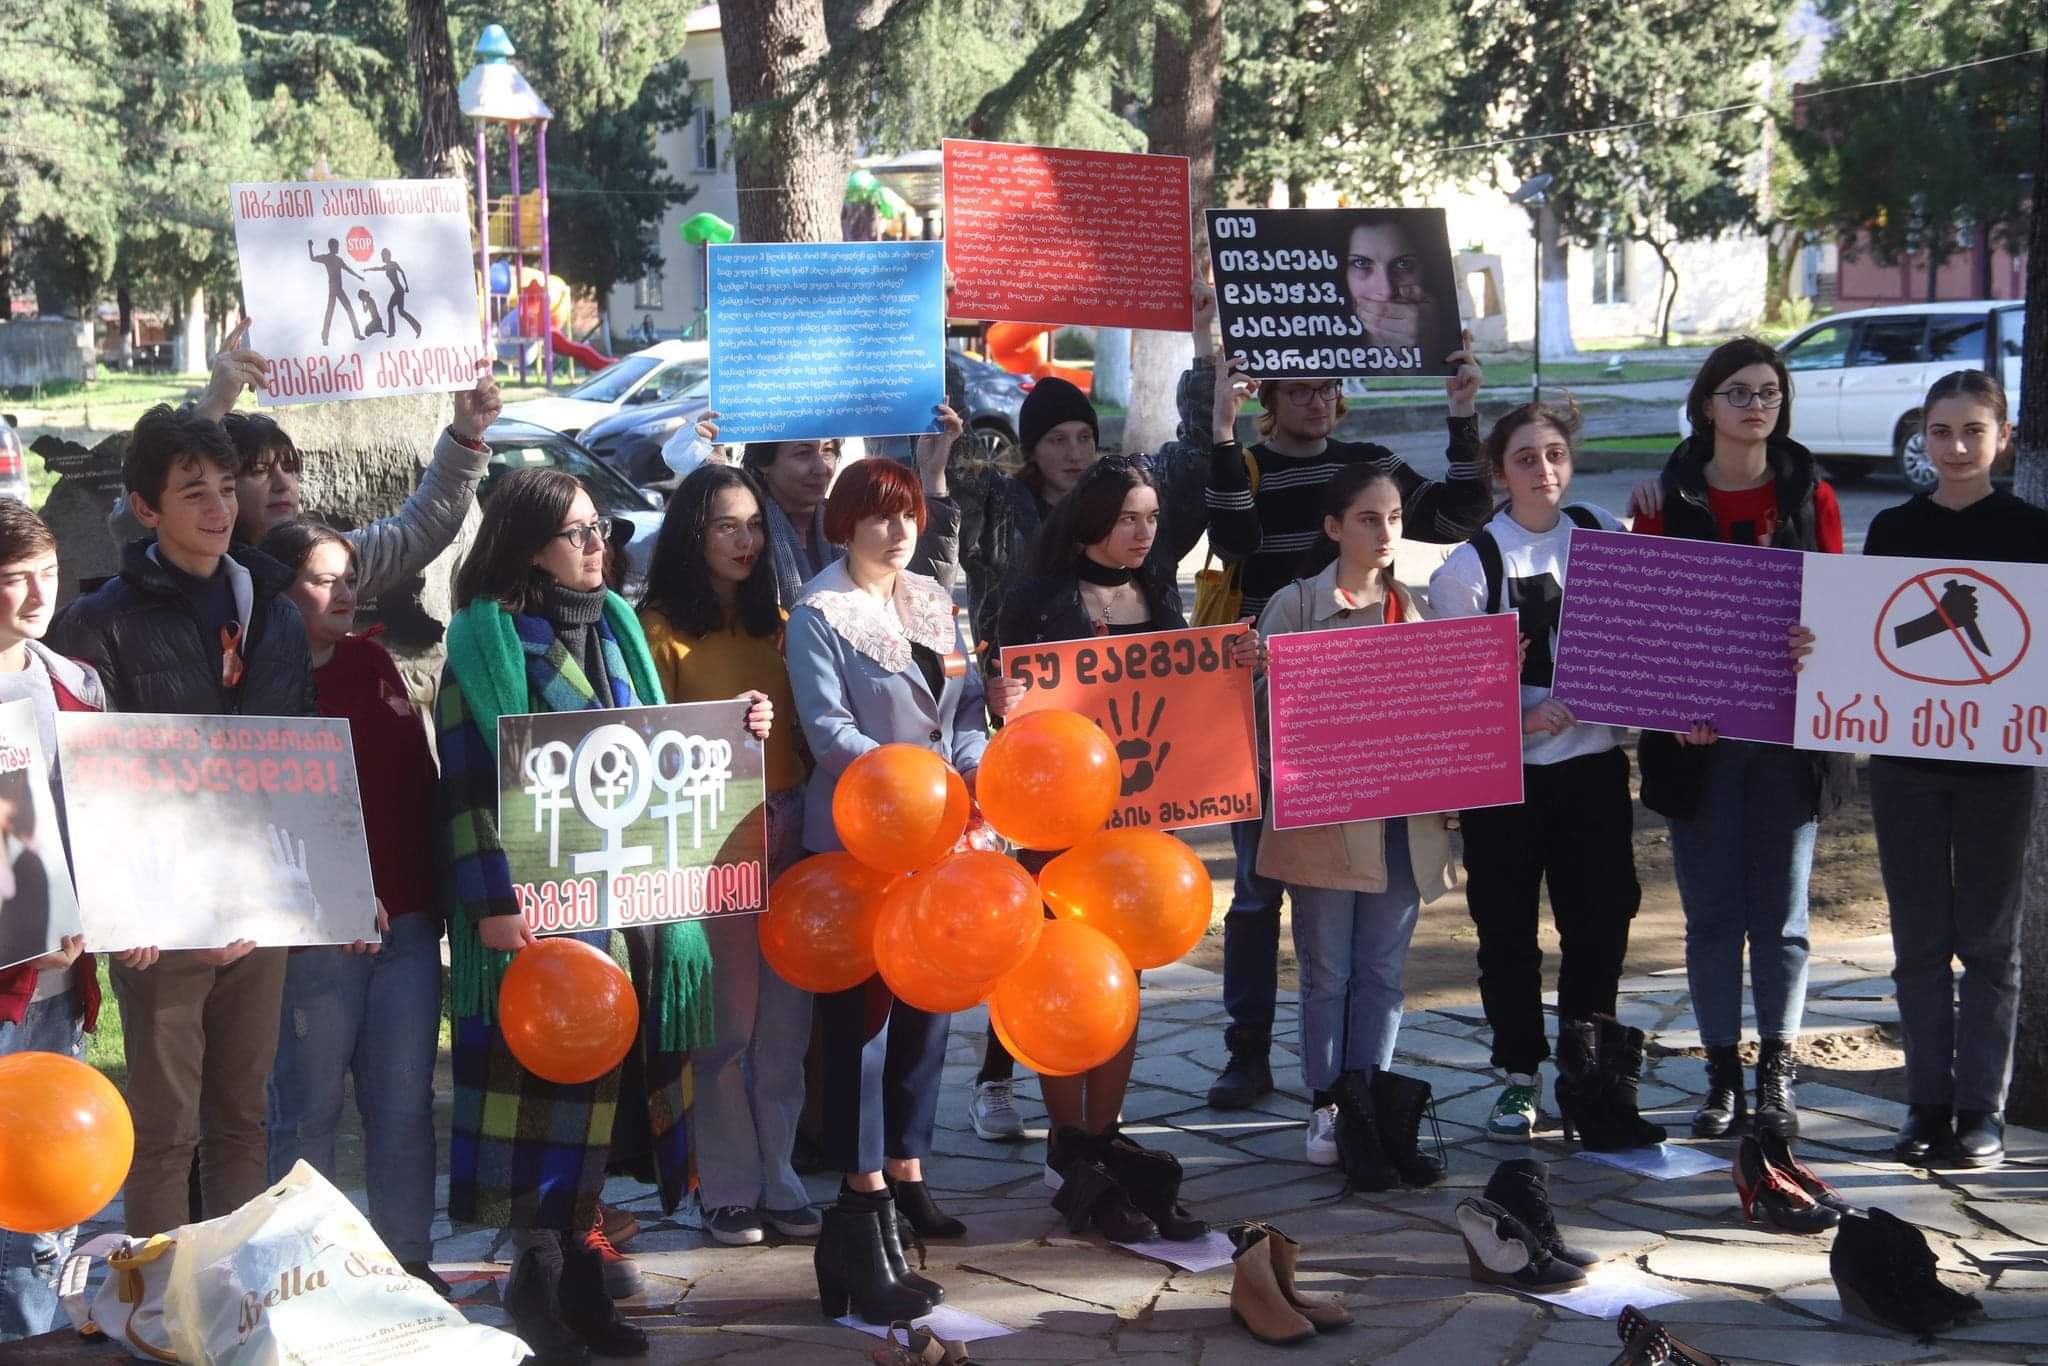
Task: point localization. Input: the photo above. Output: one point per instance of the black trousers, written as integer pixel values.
(1573, 831)
(883, 1059)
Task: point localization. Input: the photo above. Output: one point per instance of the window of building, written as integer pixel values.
(704, 126)
(1610, 270)
(647, 292)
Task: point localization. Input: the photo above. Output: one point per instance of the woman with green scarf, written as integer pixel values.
(536, 631)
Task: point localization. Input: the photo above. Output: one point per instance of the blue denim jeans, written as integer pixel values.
(1251, 937)
(1352, 950)
(376, 1017)
(1742, 860)
(29, 1262)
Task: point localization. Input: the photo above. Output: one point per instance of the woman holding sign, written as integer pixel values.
(877, 656)
(1952, 836)
(535, 630)
(1094, 580)
(1743, 814)
(1358, 887)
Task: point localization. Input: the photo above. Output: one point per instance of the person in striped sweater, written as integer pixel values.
(1265, 507)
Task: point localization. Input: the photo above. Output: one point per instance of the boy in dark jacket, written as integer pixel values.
(196, 627)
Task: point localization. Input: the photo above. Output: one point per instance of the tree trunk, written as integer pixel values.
(6, 272)
(442, 152)
(1186, 78)
(124, 302)
(1113, 366)
(1556, 341)
(1665, 301)
(792, 175)
(1784, 247)
(2030, 1058)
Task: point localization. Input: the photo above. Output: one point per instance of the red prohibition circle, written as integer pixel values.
(359, 243)
(2026, 629)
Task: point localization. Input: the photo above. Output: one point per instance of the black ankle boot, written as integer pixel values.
(853, 1270)
(1925, 1135)
(1091, 1195)
(914, 1203)
(533, 1298)
(1727, 1103)
(1398, 1105)
(1249, 1073)
(1501, 1250)
(1980, 1138)
(588, 1309)
(1775, 1074)
(1596, 1092)
(1367, 1167)
(1521, 1186)
(893, 1241)
(1152, 1179)
(1621, 1071)
(1885, 1272)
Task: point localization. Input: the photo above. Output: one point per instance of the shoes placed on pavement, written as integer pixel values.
(1775, 1196)
(1501, 1250)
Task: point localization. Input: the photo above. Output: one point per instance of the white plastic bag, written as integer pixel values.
(297, 1277)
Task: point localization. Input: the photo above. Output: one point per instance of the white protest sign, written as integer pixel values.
(359, 288)
(1924, 657)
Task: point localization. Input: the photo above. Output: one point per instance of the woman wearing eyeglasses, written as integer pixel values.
(1743, 815)
(535, 630)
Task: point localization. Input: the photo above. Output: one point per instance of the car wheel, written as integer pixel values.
(1909, 447)
(995, 445)
(1847, 471)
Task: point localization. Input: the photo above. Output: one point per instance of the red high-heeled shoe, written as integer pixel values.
(1768, 1191)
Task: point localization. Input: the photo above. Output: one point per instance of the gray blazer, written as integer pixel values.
(841, 651)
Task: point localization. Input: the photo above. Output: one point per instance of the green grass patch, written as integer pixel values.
(114, 400)
(104, 1048)
(1661, 444)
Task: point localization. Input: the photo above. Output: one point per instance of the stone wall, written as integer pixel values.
(37, 351)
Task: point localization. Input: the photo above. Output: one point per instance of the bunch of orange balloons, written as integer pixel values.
(948, 925)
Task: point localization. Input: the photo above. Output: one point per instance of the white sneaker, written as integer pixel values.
(1322, 1136)
(994, 1117)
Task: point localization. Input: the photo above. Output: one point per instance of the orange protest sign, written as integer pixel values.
(1177, 708)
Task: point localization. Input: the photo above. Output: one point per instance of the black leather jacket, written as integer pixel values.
(1049, 608)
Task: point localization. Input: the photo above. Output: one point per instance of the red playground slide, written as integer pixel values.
(1026, 349)
(583, 355)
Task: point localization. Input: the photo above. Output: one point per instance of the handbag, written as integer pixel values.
(129, 1307)
(1219, 591)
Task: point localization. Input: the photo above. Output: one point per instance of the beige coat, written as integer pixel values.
(1351, 856)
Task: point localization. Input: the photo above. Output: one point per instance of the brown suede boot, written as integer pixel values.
(1324, 1311)
(1256, 1301)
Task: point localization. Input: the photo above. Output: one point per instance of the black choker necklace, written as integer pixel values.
(1102, 575)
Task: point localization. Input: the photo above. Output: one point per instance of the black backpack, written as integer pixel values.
(1496, 571)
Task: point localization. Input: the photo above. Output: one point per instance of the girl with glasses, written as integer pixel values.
(1743, 815)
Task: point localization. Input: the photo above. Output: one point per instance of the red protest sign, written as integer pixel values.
(1059, 236)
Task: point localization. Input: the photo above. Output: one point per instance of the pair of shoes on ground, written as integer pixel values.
(1372, 1128)
(1780, 1190)
(1936, 1136)
(1265, 1301)
(1129, 1192)
(1884, 1271)
(1511, 1234)
(1599, 1068)
(560, 1302)
(861, 1265)
(1726, 1107)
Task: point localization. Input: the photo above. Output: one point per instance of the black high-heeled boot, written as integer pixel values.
(1775, 1196)
(914, 1203)
(1885, 1272)
(588, 1309)
(1152, 1179)
(1727, 1102)
(1597, 1112)
(533, 1297)
(1367, 1167)
(1521, 1186)
(853, 1270)
(1775, 1074)
(1621, 1069)
(1091, 1195)
(1399, 1104)
(893, 1240)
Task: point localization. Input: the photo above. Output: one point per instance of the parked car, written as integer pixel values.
(655, 375)
(631, 439)
(1858, 378)
(995, 409)
(13, 464)
(517, 445)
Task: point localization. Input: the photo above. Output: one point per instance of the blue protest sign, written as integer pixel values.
(811, 340)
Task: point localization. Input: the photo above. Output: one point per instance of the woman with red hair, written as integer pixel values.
(877, 656)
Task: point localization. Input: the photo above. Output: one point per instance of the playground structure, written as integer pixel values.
(1026, 349)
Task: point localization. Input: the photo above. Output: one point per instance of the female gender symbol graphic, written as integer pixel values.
(613, 776)
(547, 775)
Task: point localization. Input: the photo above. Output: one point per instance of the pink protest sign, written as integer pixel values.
(1054, 235)
(1397, 720)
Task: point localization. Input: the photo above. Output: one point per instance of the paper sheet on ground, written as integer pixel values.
(1205, 1253)
(954, 1325)
(1664, 1162)
(1609, 1290)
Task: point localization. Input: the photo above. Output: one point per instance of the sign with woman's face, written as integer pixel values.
(1335, 293)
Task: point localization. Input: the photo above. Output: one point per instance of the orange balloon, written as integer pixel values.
(890, 806)
(567, 1011)
(1049, 779)
(910, 976)
(66, 1140)
(818, 932)
(978, 916)
(1070, 1006)
(952, 825)
(1143, 888)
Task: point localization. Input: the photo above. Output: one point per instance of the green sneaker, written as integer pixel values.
(1515, 1112)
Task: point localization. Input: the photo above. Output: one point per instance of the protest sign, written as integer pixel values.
(1335, 293)
(633, 815)
(1924, 657)
(38, 907)
(358, 288)
(814, 340)
(191, 832)
(1398, 720)
(1176, 707)
(1065, 237)
(1657, 633)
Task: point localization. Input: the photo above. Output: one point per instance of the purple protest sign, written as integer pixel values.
(1657, 633)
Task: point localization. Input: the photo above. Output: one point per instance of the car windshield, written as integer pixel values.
(512, 450)
(610, 384)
